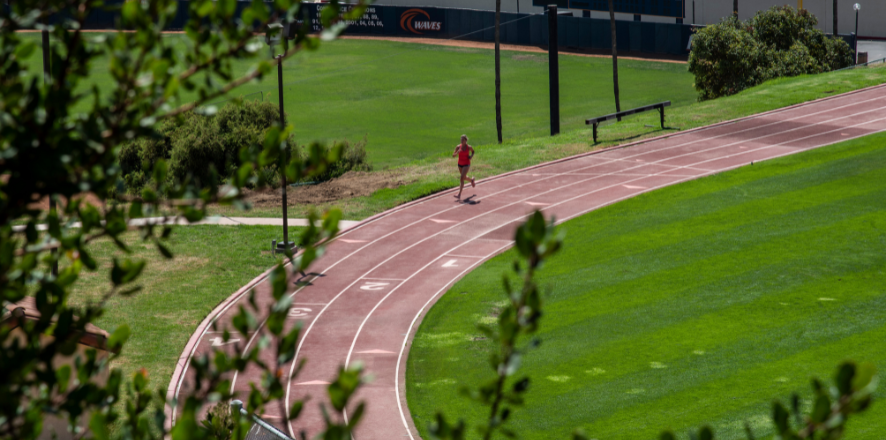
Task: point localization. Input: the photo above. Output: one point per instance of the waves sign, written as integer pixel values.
(419, 21)
(390, 20)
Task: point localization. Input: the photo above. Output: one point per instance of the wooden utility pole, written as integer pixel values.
(498, 69)
(614, 56)
(735, 8)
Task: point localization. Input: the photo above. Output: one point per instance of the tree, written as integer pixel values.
(498, 69)
(735, 8)
(61, 137)
(614, 56)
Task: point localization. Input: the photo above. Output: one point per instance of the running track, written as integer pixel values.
(380, 276)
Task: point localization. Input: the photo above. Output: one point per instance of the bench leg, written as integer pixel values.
(661, 110)
(595, 133)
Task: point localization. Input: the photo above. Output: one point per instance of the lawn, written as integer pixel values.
(695, 304)
(211, 263)
(412, 101)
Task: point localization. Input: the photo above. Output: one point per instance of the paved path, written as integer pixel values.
(211, 220)
(380, 276)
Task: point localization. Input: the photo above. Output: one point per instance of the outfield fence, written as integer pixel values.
(466, 24)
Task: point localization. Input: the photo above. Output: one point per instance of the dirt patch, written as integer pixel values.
(88, 198)
(352, 184)
(534, 58)
(594, 53)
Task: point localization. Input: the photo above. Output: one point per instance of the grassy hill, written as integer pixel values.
(694, 304)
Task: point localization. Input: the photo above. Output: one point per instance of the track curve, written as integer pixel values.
(381, 275)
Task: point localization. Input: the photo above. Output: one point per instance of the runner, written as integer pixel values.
(465, 153)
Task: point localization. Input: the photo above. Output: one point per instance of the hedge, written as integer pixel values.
(733, 55)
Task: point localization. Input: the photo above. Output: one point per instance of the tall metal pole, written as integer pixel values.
(554, 69)
(836, 2)
(856, 32)
(283, 159)
(47, 72)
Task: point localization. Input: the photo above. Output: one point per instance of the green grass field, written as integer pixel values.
(412, 100)
(211, 263)
(694, 304)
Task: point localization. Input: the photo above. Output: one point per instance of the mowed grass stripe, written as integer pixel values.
(700, 283)
(678, 401)
(698, 303)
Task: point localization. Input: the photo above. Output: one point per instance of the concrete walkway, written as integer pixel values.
(876, 49)
(213, 220)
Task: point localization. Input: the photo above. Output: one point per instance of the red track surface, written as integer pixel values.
(380, 277)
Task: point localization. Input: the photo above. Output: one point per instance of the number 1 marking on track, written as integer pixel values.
(218, 342)
(372, 285)
(450, 263)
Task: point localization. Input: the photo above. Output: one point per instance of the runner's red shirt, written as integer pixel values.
(463, 157)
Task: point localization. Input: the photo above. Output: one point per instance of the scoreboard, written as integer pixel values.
(663, 8)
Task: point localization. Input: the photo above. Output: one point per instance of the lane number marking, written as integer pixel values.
(299, 312)
(373, 285)
(450, 263)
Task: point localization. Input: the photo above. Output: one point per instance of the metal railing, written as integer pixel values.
(260, 430)
(881, 60)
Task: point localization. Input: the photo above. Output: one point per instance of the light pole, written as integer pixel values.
(276, 33)
(857, 7)
(286, 246)
(47, 74)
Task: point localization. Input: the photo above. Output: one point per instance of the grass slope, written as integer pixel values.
(694, 304)
(413, 100)
(211, 263)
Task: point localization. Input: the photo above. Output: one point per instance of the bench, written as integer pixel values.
(596, 121)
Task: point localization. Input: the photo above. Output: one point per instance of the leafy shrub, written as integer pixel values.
(353, 158)
(207, 148)
(733, 55)
(197, 151)
(726, 59)
(219, 421)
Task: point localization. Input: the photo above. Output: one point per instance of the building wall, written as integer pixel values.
(871, 18)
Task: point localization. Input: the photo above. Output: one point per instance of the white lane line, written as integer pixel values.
(305, 335)
(462, 256)
(387, 279)
(755, 128)
(412, 324)
(797, 140)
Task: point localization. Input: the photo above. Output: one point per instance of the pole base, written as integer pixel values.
(282, 247)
